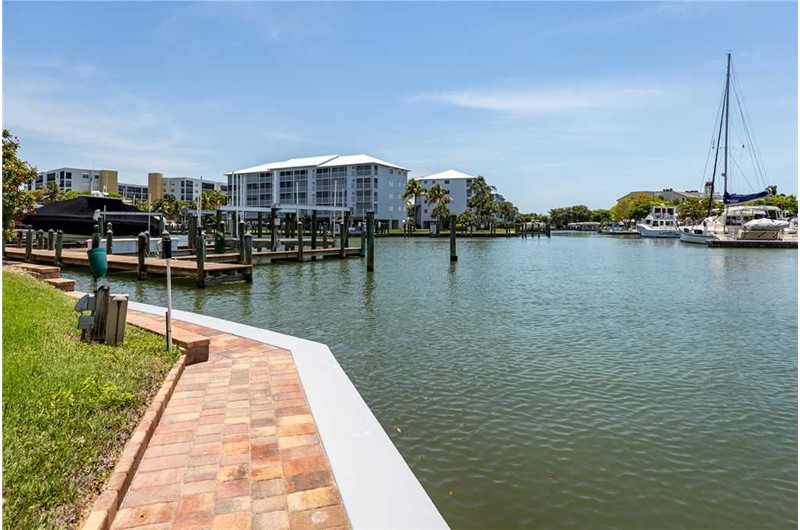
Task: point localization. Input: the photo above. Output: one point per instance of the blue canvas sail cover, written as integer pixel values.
(730, 198)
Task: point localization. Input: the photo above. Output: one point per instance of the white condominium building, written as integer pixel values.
(359, 182)
(76, 179)
(457, 185)
(182, 188)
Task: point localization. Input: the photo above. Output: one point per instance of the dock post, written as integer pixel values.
(162, 224)
(29, 244)
(453, 255)
(260, 224)
(314, 229)
(200, 243)
(342, 242)
(363, 251)
(300, 242)
(219, 238)
(59, 246)
(241, 231)
(547, 229)
(248, 257)
(346, 228)
(191, 230)
(370, 241)
(141, 251)
(110, 239)
(40, 239)
(273, 228)
(51, 239)
(96, 236)
(324, 237)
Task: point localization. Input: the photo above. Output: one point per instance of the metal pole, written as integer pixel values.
(166, 248)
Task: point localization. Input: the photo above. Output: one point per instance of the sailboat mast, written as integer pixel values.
(716, 152)
(727, 112)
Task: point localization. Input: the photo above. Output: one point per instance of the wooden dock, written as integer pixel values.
(154, 266)
(752, 243)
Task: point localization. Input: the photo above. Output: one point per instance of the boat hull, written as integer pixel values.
(645, 231)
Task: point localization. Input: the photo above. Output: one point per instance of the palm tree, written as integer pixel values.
(413, 190)
(508, 212)
(213, 199)
(482, 200)
(50, 193)
(468, 220)
(438, 196)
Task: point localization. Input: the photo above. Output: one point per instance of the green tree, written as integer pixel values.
(635, 206)
(784, 202)
(693, 209)
(468, 220)
(438, 196)
(51, 193)
(601, 216)
(482, 200)
(413, 191)
(16, 173)
(213, 199)
(508, 212)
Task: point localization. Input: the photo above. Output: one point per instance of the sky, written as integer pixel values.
(554, 103)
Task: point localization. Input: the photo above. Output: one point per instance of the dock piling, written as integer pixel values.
(248, 257)
(29, 244)
(453, 255)
(40, 239)
(219, 238)
(110, 239)
(96, 236)
(141, 251)
(314, 229)
(201, 257)
(51, 239)
(59, 246)
(241, 232)
(370, 241)
(273, 229)
(260, 222)
(300, 242)
(346, 228)
(191, 230)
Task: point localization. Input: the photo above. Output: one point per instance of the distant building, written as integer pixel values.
(182, 188)
(668, 194)
(458, 186)
(75, 179)
(133, 191)
(360, 182)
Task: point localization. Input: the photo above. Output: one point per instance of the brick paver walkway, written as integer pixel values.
(237, 447)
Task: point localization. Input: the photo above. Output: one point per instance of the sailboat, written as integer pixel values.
(739, 220)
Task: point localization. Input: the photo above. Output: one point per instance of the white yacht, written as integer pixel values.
(660, 222)
(741, 222)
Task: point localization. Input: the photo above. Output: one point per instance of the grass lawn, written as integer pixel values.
(68, 406)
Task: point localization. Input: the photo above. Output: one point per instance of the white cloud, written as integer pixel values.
(533, 101)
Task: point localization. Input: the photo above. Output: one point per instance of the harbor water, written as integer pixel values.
(580, 381)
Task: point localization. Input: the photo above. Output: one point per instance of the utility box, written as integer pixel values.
(115, 321)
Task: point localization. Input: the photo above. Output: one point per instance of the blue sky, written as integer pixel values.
(556, 103)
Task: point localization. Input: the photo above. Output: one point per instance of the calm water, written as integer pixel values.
(575, 382)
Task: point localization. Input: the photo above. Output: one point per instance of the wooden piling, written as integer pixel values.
(162, 224)
(314, 229)
(29, 244)
(200, 243)
(346, 231)
(59, 246)
(260, 222)
(342, 241)
(273, 226)
(219, 238)
(300, 242)
(40, 239)
(248, 257)
(110, 239)
(324, 237)
(241, 231)
(141, 251)
(96, 236)
(370, 241)
(363, 251)
(453, 255)
(51, 239)
(192, 230)
(547, 229)
(101, 301)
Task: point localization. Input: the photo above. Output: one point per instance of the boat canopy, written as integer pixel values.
(730, 198)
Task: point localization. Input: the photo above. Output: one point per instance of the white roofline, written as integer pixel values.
(315, 162)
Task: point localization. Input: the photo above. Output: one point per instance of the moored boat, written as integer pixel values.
(660, 222)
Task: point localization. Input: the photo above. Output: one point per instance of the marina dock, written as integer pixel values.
(752, 243)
